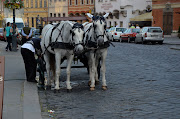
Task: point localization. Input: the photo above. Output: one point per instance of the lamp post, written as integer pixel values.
(14, 39)
(13, 4)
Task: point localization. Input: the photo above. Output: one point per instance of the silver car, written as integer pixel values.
(150, 34)
(116, 32)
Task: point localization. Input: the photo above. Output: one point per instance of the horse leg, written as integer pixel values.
(92, 71)
(58, 69)
(103, 69)
(96, 72)
(47, 60)
(68, 71)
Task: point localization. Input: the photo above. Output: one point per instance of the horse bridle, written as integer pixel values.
(102, 19)
(75, 26)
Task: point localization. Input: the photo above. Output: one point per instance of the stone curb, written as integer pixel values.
(31, 106)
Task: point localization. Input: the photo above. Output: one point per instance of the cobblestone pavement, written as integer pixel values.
(143, 83)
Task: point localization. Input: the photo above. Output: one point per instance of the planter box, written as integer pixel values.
(174, 34)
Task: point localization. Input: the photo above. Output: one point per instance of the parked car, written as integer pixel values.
(108, 34)
(129, 35)
(150, 34)
(116, 32)
(1, 34)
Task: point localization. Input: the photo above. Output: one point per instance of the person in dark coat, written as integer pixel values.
(28, 51)
(26, 34)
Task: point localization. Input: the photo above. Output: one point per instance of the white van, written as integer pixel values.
(18, 21)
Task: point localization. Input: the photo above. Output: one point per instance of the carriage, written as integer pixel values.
(69, 41)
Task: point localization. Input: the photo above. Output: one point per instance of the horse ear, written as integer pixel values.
(90, 15)
(106, 15)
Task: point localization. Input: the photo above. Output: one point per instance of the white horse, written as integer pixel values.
(96, 40)
(59, 42)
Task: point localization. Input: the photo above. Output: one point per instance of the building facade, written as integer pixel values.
(1, 12)
(166, 14)
(35, 11)
(58, 8)
(122, 10)
(79, 8)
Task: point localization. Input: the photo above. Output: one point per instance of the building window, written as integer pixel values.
(32, 22)
(45, 3)
(59, 15)
(27, 3)
(50, 14)
(59, 0)
(115, 23)
(40, 3)
(100, 0)
(121, 23)
(87, 1)
(28, 21)
(82, 2)
(70, 2)
(64, 14)
(64, 0)
(110, 24)
(76, 3)
(92, 1)
(54, 14)
(31, 3)
(36, 4)
(55, 0)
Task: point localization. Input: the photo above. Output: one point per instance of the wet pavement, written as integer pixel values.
(143, 83)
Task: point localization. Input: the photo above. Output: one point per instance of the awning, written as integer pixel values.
(143, 17)
(65, 18)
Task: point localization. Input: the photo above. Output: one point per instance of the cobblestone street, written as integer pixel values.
(143, 83)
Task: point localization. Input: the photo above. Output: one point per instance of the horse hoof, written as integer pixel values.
(69, 90)
(96, 82)
(104, 87)
(56, 91)
(48, 87)
(89, 83)
(92, 88)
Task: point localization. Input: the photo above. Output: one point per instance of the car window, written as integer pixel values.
(144, 30)
(155, 30)
(126, 31)
(135, 30)
(120, 29)
(1, 30)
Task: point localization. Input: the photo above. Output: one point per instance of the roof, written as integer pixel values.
(65, 18)
(143, 17)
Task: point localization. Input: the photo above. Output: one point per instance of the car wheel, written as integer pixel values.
(160, 42)
(135, 41)
(120, 40)
(143, 42)
(129, 40)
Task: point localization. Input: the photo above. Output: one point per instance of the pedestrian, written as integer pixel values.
(137, 26)
(8, 36)
(28, 51)
(26, 34)
(132, 26)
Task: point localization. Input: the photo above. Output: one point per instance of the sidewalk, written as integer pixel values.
(21, 99)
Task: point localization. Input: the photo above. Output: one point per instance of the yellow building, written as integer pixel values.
(35, 11)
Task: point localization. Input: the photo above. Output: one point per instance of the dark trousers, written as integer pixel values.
(30, 64)
(9, 41)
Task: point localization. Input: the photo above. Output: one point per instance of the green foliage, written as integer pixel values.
(13, 4)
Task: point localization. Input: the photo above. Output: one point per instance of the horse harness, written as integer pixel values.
(61, 45)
